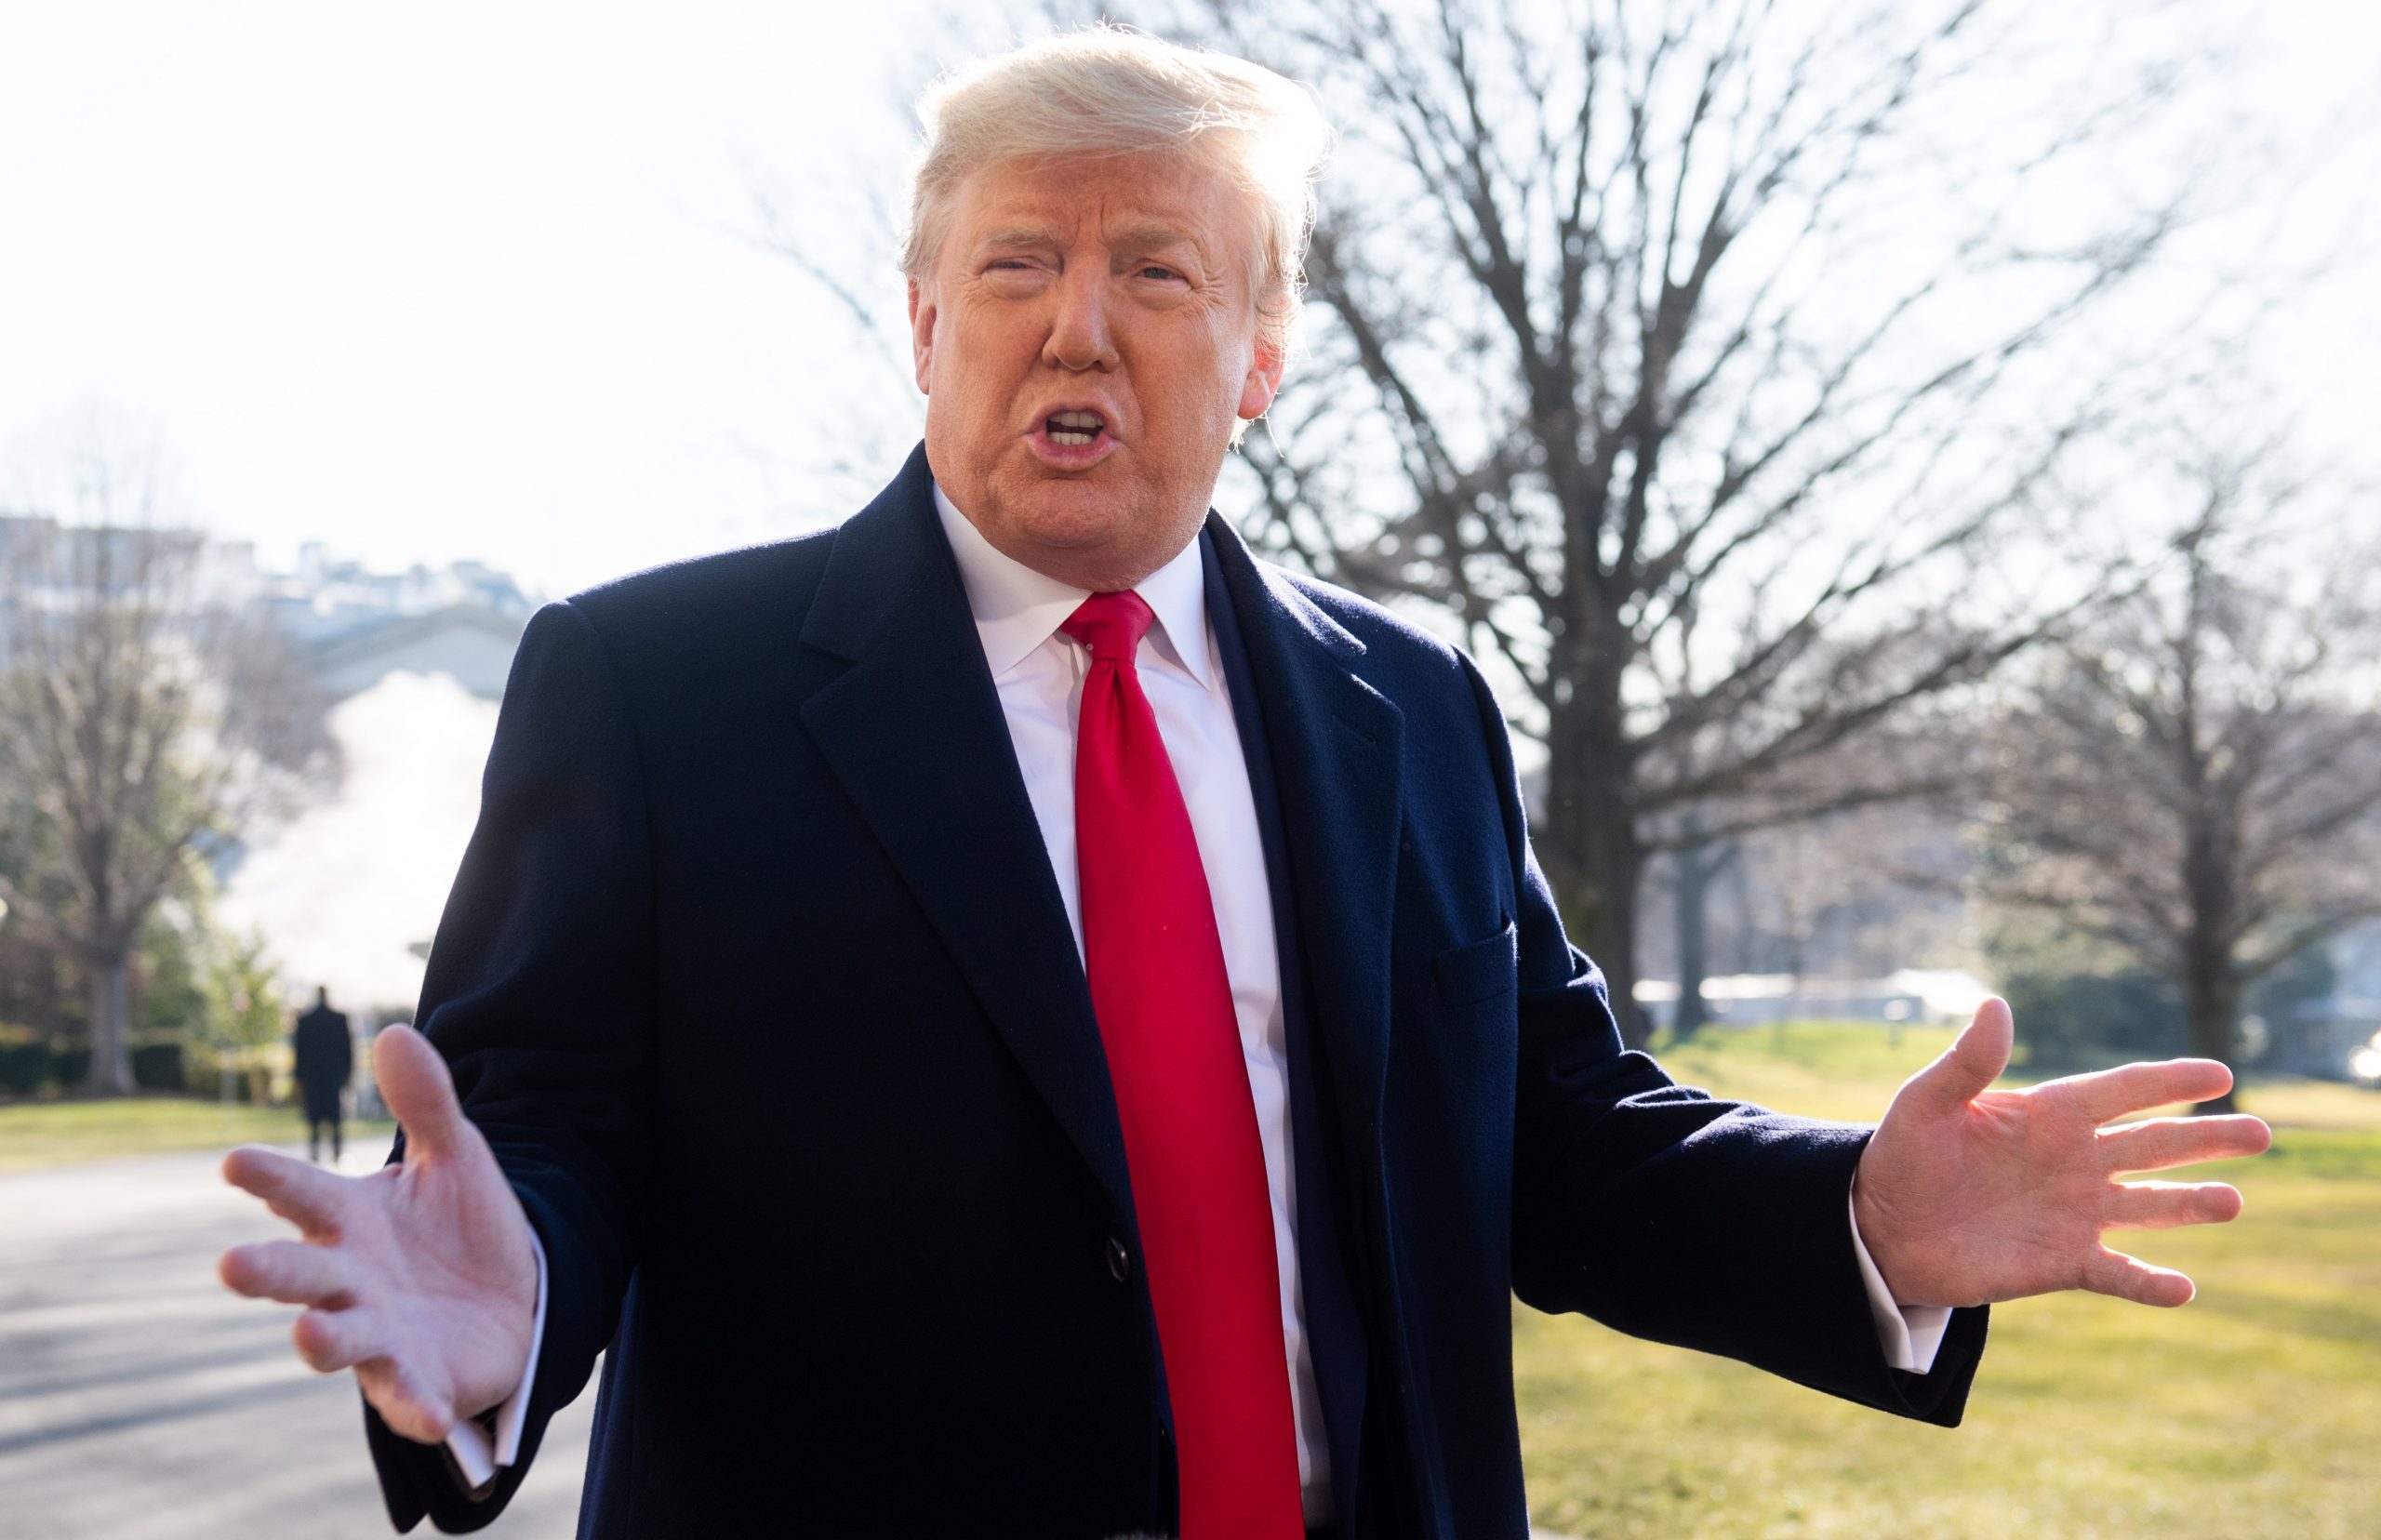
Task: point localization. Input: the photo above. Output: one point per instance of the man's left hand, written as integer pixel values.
(1968, 1195)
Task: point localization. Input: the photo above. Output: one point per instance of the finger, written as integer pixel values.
(2157, 1143)
(2125, 1277)
(339, 1339)
(419, 1091)
(2106, 1094)
(291, 1271)
(1973, 1062)
(2163, 1205)
(305, 1194)
(405, 1400)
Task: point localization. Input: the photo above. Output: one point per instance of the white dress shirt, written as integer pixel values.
(1038, 672)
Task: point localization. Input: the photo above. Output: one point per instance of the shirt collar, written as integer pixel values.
(1017, 608)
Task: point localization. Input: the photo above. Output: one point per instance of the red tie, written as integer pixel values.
(1158, 985)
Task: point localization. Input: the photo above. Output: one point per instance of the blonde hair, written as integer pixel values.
(1109, 90)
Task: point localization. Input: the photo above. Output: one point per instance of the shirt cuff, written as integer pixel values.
(1910, 1334)
(478, 1455)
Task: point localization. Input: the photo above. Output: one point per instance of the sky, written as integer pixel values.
(481, 281)
(445, 281)
(436, 281)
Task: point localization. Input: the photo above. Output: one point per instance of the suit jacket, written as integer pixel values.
(757, 978)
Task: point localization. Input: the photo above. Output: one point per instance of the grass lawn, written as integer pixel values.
(2255, 1411)
(60, 1133)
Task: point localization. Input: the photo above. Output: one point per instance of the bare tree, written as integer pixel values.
(143, 721)
(245, 1015)
(2197, 779)
(1833, 840)
(1707, 364)
(1697, 862)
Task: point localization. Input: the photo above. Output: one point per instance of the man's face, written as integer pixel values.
(1086, 341)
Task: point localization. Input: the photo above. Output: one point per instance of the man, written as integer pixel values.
(326, 1062)
(1010, 1018)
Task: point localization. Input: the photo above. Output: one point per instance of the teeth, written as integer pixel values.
(1075, 429)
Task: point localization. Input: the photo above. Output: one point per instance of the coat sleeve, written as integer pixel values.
(1675, 1216)
(540, 994)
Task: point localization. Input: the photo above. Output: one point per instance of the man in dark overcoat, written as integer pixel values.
(1012, 1018)
(325, 1063)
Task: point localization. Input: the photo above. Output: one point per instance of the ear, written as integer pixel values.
(1264, 379)
(922, 318)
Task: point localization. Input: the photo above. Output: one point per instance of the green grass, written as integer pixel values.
(2253, 1412)
(63, 1132)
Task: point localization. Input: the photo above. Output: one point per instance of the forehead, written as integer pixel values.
(1109, 198)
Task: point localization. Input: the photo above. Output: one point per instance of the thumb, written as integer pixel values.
(419, 1091)
(1974, 1059)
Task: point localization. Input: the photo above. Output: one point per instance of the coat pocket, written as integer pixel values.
(1479, 970)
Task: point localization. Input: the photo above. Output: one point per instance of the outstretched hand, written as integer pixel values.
(419, 1277)
(1968, 1195)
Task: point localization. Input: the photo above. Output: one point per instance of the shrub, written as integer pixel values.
(24, 1066)
(2070, 1020)
(158, 1066)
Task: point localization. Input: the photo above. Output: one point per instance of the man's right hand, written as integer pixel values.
(421, 1277)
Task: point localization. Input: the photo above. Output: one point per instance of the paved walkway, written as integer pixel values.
(140, 1400)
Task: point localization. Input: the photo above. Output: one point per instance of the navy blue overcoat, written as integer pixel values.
(757, 978)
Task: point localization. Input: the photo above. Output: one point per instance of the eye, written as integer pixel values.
(1014, 278)
(1159, 272)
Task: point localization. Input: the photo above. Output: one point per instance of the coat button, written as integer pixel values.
(1120, 1261)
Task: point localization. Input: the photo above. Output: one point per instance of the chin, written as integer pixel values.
(1093, 531)
(1071, 512)
(1076, 512)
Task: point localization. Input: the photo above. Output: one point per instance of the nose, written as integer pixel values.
(1081, 337)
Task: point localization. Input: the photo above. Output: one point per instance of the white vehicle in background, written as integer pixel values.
(2364, 1065)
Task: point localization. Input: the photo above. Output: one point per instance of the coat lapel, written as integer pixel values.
(1338, 747)
(918, 701)
(913, 731)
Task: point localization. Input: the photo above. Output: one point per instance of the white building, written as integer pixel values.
(470, 644)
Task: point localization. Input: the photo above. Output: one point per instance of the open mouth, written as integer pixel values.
(1075, 430)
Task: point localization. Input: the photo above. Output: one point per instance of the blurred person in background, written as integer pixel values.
(324, 1050)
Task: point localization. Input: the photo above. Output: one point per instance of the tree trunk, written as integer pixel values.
(2212, 1002)
(1594, 856)
(111, 981)
(2211, 982)
(1689, 1015)
(1696, 865)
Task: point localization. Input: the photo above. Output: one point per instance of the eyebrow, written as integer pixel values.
(1138, 233)
(1020, 235)
(1154, 236)
(1155, 233)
